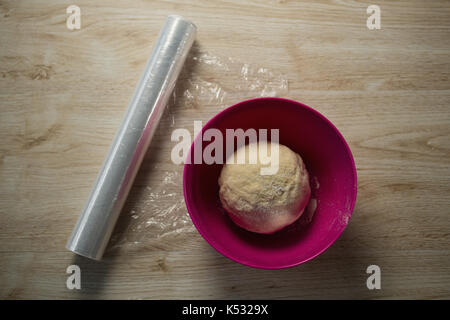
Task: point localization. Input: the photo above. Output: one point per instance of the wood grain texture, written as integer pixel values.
(63, 94)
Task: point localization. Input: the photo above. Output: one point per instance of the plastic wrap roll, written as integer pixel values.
(96, 223)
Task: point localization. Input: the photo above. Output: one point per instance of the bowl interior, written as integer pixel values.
(332, 176)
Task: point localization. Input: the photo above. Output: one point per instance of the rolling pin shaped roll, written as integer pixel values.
(96, 223)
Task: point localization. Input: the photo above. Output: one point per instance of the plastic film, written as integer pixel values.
(156, 215)
(95, 225)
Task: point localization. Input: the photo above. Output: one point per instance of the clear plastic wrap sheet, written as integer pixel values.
(155, 209)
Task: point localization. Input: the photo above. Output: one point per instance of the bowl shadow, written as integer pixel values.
(337, 273)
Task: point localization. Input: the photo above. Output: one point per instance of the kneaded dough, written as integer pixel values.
(265, 203)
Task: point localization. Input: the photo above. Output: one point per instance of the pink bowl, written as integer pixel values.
(333, 183)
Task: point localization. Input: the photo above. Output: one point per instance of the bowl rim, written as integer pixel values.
(323, 118)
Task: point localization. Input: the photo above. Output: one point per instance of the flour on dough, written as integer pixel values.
(265, 203)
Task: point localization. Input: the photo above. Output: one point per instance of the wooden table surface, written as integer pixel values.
(64, 92)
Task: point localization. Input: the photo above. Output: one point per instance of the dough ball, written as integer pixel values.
(264, 203)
